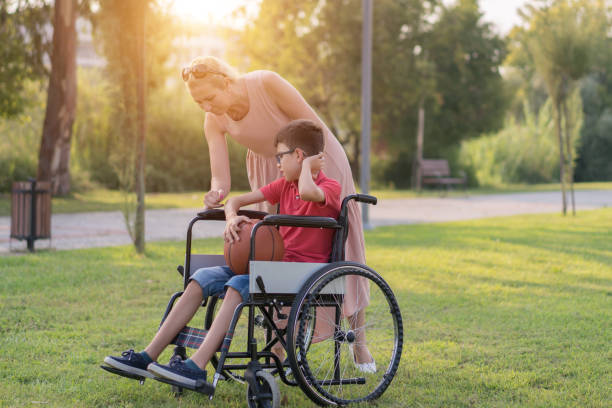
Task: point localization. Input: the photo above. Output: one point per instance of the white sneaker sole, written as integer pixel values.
(128, 369)
(161, 372)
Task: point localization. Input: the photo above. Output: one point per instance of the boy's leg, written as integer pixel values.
(182, 312)
(179, 316)
(204, 282)
(218, 329)
(191, 370)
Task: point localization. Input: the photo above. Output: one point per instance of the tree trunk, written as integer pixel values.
(570, 161)
(139, 239)
(54, 153)
(561, 155)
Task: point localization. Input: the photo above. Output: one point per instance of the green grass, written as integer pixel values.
(503, 312)
(112, 200)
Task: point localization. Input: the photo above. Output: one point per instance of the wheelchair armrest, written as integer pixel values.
(301, 221)
(219, 215)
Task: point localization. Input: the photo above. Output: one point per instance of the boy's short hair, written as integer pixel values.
(303, 134)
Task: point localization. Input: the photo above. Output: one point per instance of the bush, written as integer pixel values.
(595, 151)
(176, 150)
(519, 153)
(94, 135)
(20, 139)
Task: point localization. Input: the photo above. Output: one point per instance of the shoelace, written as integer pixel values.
(128, 354)
(177, 362)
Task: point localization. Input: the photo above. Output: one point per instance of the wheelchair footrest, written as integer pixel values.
(202, 387)
(123, 373)
(190, 337)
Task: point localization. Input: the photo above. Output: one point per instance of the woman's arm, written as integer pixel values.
(288, 99)
(220, 182)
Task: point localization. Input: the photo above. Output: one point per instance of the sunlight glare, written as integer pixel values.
(212, 11)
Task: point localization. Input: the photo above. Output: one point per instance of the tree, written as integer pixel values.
(54, 154)
(315, 45)
(560, 42)
(470, 97)
(121, 27)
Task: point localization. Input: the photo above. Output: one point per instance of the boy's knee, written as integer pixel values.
(233, 294)
(194, 289)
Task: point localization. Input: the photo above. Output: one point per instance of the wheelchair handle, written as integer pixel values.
(362, 198)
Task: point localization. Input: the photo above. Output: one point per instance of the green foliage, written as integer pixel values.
(522, 152)
(561, 43)
(177, 154)
(21, 138)
(452, 63)
(595, 151)
(24, 45)
(505, 312)
(176, 150)
(95, 138)
(470, 98)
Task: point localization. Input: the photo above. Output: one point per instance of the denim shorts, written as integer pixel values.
(215, 280)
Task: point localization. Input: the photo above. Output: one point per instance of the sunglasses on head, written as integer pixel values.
(198, 71)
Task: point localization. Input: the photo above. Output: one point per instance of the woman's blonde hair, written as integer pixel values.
(215, 64)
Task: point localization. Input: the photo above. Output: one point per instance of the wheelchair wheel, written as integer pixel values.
(268, 395)
(325, 369)
(239, 341)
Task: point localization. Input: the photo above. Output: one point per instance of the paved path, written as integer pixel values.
(99, 229)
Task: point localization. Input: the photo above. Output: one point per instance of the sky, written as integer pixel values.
(502, 13)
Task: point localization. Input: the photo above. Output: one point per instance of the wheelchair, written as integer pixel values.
(300, 306)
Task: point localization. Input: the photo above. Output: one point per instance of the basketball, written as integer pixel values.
(268, 247)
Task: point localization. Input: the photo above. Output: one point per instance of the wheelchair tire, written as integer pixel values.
(269, 386)
(325, 369)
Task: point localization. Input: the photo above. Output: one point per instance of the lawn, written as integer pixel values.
(502, 312)
(113, 200)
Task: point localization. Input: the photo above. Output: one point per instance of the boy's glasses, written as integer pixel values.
(279, 156)
(198, 71)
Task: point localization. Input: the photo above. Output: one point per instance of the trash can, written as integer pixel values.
(31, 211)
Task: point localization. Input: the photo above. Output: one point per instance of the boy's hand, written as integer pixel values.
(213, 199)
(315, 163)
(232, 227)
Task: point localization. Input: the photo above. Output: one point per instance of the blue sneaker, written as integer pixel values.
(130, 362)
(177, 370)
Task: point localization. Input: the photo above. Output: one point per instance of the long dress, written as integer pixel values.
(256, 131)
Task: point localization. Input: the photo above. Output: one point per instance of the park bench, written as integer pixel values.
(437, 172)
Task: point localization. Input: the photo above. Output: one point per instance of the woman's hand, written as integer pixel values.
(213, 199)
(232, 227)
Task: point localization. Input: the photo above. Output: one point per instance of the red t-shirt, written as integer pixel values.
(305, 244)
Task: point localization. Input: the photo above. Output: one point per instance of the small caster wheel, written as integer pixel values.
(268, 395)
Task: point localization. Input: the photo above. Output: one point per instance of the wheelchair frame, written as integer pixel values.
(262, 389)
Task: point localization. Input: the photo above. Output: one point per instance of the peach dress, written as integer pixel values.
(256, 131)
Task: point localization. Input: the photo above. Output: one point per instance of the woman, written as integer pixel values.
(251, 108)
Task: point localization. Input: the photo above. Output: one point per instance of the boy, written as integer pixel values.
(303, 190)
